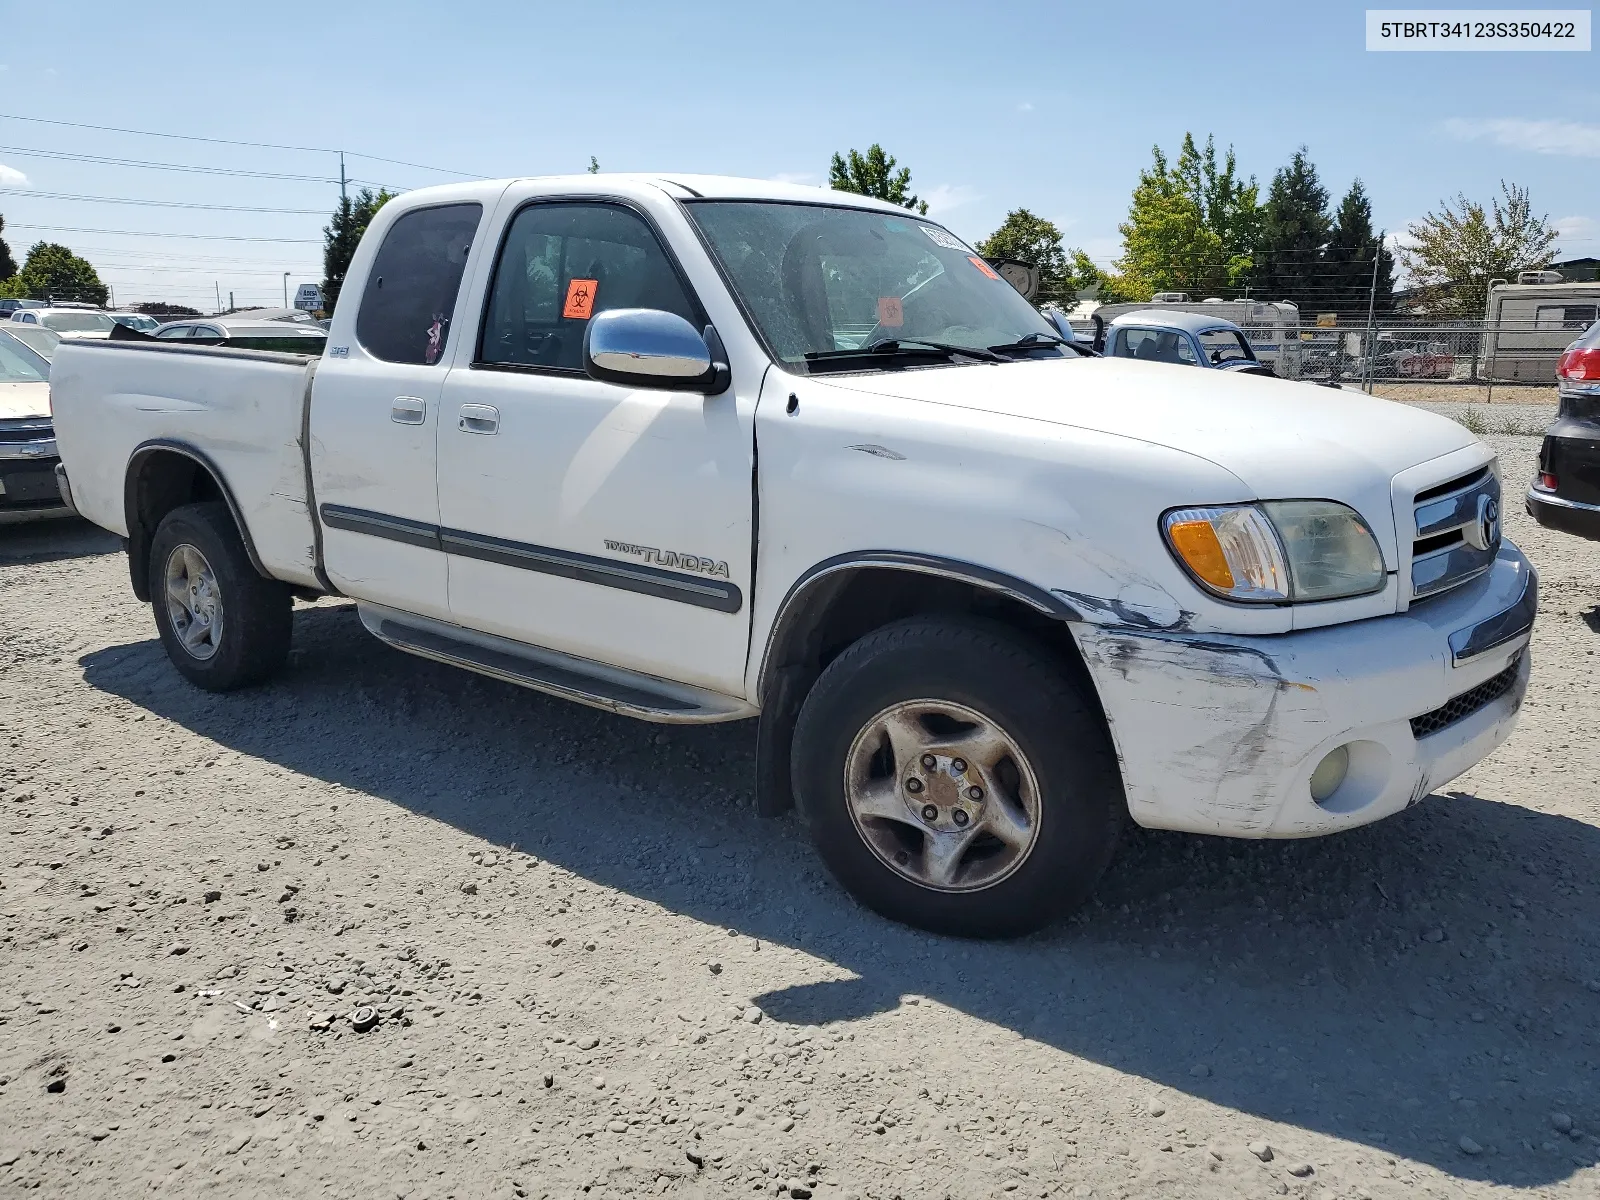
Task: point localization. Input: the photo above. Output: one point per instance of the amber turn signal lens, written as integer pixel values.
(1197, 542)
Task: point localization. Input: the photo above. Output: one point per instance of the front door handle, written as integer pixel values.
(480, 418)
(408, 410)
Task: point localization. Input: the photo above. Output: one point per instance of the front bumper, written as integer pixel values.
(1220, 734)
(28, 490)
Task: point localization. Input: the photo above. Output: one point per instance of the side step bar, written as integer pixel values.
(598, 685)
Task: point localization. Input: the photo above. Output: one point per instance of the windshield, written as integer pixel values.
(78, 322)
(137, 321)
(817, 280)
(18, 364)
(1225, 345)
(42, 342)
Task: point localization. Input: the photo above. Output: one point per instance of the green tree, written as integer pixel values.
(1456, 252)
(1034, 240)
(1348, 260)
(594, 165)
(53, 272)
(8, 265)
(873, 174)
(341, 236)
(1295, 229)
(1190, 227)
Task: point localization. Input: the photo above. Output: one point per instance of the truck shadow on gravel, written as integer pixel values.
(1406, 986)
(53, 540)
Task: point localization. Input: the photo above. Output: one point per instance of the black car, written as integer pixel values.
(1565, 494)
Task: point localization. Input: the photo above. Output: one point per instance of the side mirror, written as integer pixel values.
(646, 347)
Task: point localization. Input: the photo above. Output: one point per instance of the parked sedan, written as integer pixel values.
(1187, 339)
(293, 337)
(28, 458)
(1565, 494)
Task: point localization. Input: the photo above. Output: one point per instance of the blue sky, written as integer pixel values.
(1052, 107)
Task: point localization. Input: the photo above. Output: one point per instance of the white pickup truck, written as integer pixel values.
(697, 449)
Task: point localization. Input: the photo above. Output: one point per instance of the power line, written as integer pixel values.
(28, 152)
(204, 237)
(312, 212)
(186, 137)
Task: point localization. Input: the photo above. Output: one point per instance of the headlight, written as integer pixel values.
(1281, 551)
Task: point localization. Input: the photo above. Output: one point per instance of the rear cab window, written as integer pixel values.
(411, 290)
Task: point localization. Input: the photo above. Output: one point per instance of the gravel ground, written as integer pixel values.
(387, 929)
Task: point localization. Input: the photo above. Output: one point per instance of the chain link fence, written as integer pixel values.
(1456, 352)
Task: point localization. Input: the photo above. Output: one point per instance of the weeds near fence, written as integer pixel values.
(1478, 423)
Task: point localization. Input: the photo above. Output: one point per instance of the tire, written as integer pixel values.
(234, 630)
(1047, 785)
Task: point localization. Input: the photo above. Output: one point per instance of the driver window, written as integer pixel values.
(561, 264)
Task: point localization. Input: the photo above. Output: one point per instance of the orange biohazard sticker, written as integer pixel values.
(982, 266)
(891, 312)
(580, 299)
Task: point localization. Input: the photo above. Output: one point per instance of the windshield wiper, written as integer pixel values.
(890, 347)
(1033, 341)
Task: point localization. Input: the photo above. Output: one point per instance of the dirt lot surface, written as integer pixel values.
(387, 929)
(1465, 393)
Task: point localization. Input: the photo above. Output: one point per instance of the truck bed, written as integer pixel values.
(239, 411)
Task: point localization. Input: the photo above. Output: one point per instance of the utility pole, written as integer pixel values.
(218, 282)
(341, 178)
(286, 289)
(231, 305)
(1372, 306)
(111, 293)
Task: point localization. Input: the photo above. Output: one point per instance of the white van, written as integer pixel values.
(1271, 327)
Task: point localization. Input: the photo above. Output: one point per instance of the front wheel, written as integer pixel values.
(223, 625)
(956, 780)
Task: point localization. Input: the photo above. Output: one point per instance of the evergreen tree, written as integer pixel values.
(8, 265)
(1294, 230)
(1349, 261)
(873, 174)
(341, 236)
(54, 272)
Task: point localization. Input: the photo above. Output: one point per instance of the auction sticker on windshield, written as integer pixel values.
(891, 312)
(940, 238)
(983, 266)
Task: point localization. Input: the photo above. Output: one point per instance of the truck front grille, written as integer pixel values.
(1456, 532)
(1464, 705)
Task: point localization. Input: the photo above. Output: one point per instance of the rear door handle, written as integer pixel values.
(480, 418)
(408, 410)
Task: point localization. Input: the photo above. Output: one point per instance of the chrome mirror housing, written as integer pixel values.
(646, 347)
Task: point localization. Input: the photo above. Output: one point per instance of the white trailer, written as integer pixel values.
(1529, 323)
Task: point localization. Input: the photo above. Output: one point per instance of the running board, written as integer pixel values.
(598, 685)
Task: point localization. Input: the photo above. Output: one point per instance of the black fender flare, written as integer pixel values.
(139, 537)
(988, 578)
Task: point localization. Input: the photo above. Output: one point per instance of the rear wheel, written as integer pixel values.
(955, 779)
(223, 625)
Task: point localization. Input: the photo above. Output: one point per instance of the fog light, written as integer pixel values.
(1330, 773)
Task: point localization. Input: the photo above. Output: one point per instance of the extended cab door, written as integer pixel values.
(609, 522)
(375, 410)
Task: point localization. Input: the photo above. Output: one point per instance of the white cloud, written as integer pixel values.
(793, 177)
(1025, 106)
(1567, 138)
(11, 177)
(947, 197)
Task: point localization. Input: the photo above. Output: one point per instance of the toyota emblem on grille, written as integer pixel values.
(1484, 534)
